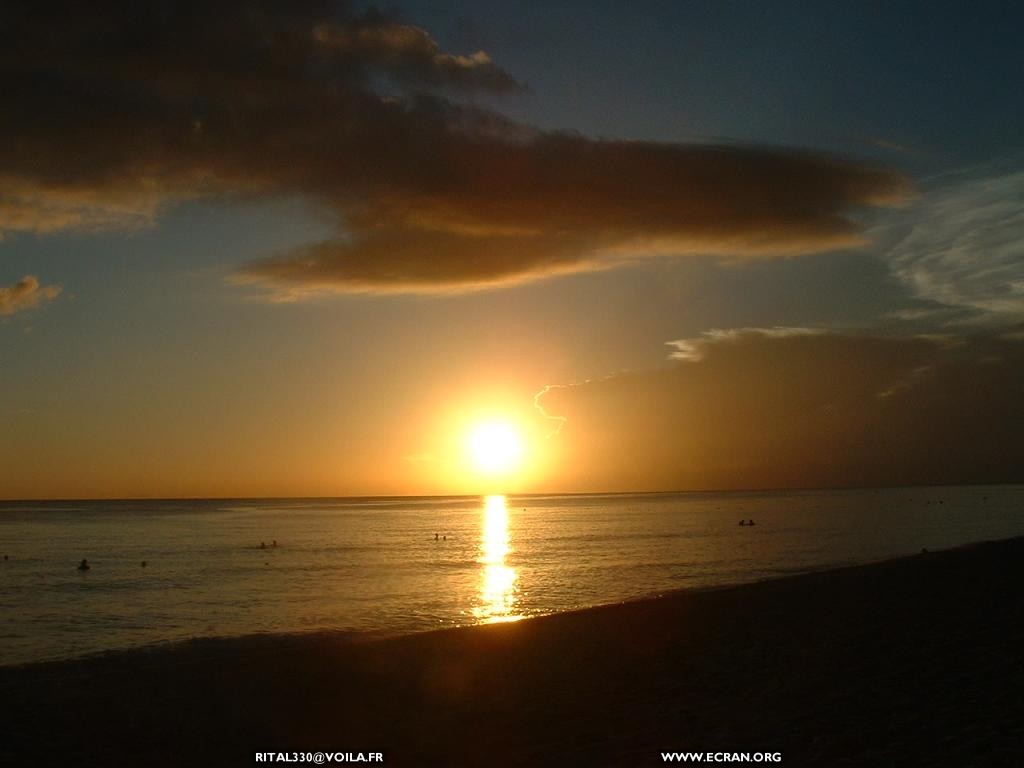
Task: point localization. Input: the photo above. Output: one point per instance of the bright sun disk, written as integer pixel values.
(494, 447)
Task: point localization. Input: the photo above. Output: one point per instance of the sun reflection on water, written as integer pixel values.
(498, 588)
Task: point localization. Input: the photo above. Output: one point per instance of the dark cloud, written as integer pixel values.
(25, 294)
(755, 408)
(113, 109)
(401, 259)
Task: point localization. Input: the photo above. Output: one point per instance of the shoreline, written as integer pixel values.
(910, 660)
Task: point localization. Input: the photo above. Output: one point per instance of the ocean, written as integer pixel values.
(384, 566)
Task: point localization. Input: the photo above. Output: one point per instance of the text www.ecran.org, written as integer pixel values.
(721, 757)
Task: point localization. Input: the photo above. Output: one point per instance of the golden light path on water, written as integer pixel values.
(498, 585)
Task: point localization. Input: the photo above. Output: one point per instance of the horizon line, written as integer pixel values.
(534, 494)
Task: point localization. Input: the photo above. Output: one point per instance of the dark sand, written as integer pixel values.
(911, 662)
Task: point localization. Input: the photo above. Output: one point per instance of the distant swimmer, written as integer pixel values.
(274, 543)
(84, 565)
(444, 538)
(751, 522)
(263, 545)
(143, 563)
(437, 536)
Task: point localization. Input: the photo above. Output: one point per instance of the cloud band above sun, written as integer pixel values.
(114, 110)
(797, 407)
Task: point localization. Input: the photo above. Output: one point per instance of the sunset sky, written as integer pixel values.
(306, 248)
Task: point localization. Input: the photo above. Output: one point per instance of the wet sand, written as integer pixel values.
(911, 662)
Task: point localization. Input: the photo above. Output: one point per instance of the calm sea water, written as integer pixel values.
(373, 565)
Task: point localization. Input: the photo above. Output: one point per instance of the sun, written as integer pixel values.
(494, 447)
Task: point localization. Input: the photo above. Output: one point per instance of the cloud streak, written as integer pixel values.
(560, 420)
(694, 349)
(27, 293)
(113, 110)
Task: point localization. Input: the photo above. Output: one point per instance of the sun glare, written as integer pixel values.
(494, 447)
(498, 589)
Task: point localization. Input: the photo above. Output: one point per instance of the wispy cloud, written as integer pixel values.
(961, 245)
(110, 104)
(25, 294)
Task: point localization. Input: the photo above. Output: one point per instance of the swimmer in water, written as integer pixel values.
(84, 565)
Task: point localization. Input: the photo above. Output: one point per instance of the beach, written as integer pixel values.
(912, 661)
